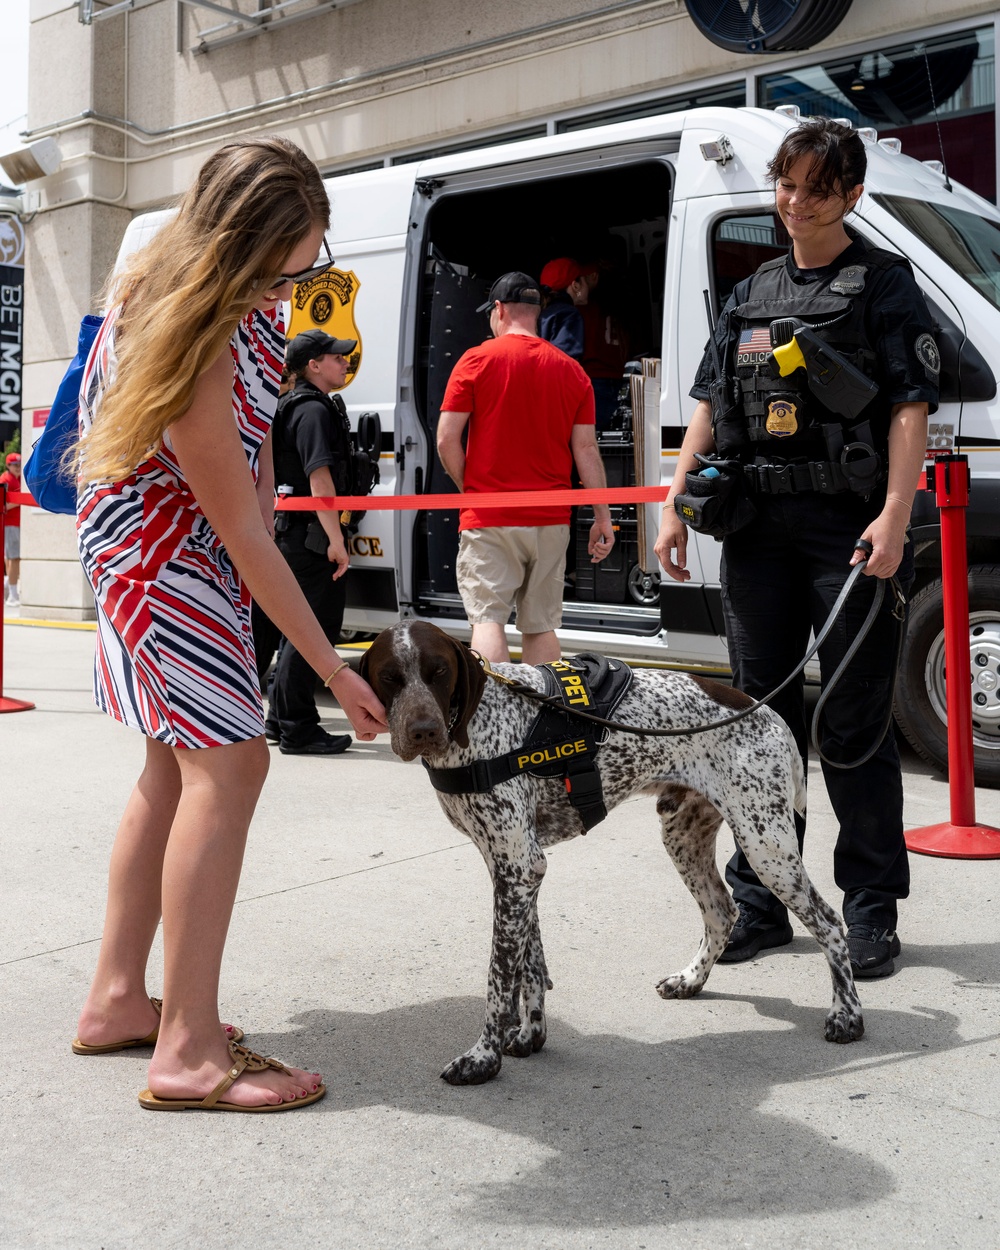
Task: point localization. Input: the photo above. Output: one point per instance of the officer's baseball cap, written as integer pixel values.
(311, 344)
(513, 288)
(559, 273)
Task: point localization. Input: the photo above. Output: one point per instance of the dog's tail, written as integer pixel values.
(798, 775)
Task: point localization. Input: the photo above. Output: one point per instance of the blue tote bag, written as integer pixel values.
(44, 473)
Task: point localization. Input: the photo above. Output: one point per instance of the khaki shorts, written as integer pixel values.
(507, 567)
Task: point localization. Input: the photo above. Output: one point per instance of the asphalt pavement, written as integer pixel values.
(358, 947)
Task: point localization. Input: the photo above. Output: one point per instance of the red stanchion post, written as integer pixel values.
(961, 837)
(7, 705)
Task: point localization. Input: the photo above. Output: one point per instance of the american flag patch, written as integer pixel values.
(756, 340)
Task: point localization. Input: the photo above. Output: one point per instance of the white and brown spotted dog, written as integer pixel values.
(442, 706)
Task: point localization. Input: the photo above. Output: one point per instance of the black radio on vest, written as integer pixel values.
(355, 470)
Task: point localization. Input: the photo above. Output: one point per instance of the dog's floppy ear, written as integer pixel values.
(369, 666)
(469, 683)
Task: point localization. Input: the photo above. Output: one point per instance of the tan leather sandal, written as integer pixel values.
(233, 1034)
(243, 1061)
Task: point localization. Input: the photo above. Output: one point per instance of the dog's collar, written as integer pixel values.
(490, 671)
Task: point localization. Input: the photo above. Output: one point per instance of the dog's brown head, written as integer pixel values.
(430, 684)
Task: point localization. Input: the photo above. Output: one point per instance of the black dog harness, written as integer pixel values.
(554, 748)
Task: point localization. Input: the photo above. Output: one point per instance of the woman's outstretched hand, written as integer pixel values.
(362, 705)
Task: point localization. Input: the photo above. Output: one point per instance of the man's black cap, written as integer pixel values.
(311, 344)
(513, 288)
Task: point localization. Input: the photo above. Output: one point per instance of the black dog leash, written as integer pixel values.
(529, 692)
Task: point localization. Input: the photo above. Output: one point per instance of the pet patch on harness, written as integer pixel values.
(558, 744)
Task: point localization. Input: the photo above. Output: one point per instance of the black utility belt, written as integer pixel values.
(823, 477)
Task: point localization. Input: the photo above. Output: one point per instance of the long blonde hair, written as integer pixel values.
(183, 294)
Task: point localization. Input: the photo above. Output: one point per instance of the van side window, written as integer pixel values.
(740, 245)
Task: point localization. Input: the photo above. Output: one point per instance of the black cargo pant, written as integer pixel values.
(780, 578)
(292, 688)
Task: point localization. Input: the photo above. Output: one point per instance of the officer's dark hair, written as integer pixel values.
(838, 155)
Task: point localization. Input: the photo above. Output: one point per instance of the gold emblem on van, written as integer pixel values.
(326, 302)
(781, 421)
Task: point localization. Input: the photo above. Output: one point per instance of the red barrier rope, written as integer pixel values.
(961, 837)
(485, 499)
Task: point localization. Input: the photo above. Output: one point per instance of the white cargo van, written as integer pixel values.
(673, 206)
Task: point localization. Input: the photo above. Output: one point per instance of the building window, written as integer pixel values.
(727, 95)
(485, 141)
(340, 170)
(908, 92)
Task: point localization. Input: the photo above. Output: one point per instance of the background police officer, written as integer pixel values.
(820, 481)
(312, 449)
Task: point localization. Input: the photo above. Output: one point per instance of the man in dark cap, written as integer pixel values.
(529, 409)
(312, 449)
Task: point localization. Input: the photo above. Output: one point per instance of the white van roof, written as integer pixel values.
(376, 203)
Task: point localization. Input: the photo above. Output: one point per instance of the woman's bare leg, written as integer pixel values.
(201, 870)
(117, 1007)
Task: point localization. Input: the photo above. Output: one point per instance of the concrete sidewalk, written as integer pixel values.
(359, 946)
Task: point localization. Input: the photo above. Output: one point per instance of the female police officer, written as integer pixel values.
(822, 470)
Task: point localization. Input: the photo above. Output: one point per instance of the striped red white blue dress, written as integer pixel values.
(175, 655)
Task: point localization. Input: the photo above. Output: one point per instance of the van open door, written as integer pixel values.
(607, 207)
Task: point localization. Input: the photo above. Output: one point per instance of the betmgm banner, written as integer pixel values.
(11, 324)
(326, 302)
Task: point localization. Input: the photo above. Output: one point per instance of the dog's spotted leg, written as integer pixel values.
(845, 1021)
(530, 1004)
(764, 827)
(689, 824)
(515, 889)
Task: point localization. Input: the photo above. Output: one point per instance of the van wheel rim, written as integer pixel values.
(984, 660)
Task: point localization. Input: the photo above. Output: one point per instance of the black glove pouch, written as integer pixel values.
(715, 505)
(316, 540)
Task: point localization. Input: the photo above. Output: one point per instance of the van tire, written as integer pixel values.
(920, 706)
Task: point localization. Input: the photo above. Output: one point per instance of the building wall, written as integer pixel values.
(364, 82)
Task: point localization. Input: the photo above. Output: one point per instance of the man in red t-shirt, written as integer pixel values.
(11, 478)
(530, 413)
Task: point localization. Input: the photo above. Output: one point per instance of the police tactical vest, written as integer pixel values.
(781, 416)
(288, 467)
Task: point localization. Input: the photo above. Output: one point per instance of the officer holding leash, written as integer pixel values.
(803, 455)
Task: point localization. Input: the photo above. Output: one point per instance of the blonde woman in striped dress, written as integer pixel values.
(174, 508)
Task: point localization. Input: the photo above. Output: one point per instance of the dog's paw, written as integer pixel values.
(679, 986)
(844, 1026)
(475, 1067)
(517, 1042)
(525, 1039)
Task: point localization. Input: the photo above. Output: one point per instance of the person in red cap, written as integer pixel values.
(561, 322)
(11, 478)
